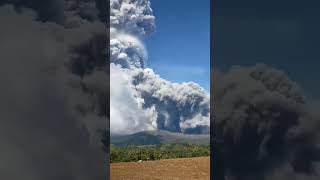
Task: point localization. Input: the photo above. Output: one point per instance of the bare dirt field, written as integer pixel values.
(170, 169)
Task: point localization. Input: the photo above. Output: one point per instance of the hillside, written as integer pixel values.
(158, 137)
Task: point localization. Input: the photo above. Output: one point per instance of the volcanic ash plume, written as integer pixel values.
(269, 129)
(140, 99)
(53, 108)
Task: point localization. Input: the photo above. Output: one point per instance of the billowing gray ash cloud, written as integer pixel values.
(270, 130)
(140, 99)
(54, 97)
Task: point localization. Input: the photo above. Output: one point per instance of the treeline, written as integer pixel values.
(134, 153)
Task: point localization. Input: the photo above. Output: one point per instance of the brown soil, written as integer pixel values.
(171, 169)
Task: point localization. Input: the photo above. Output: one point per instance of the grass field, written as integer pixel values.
(133, 153)
(169, 169)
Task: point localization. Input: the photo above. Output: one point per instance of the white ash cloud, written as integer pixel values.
(126, 111)
(155, 103)
(128, 51)
(132, 17)
(180, 107)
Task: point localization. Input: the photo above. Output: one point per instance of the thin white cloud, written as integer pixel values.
(182, 69)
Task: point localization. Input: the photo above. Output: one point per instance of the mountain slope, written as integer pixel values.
(158, 137)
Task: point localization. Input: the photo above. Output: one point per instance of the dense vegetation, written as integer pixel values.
(156, 152)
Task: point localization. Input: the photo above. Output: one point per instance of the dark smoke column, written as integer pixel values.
(268, 128)
(53, 108)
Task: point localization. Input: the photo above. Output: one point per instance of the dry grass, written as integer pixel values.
(171, 169)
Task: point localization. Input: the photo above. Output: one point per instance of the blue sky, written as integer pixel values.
(179, 50)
